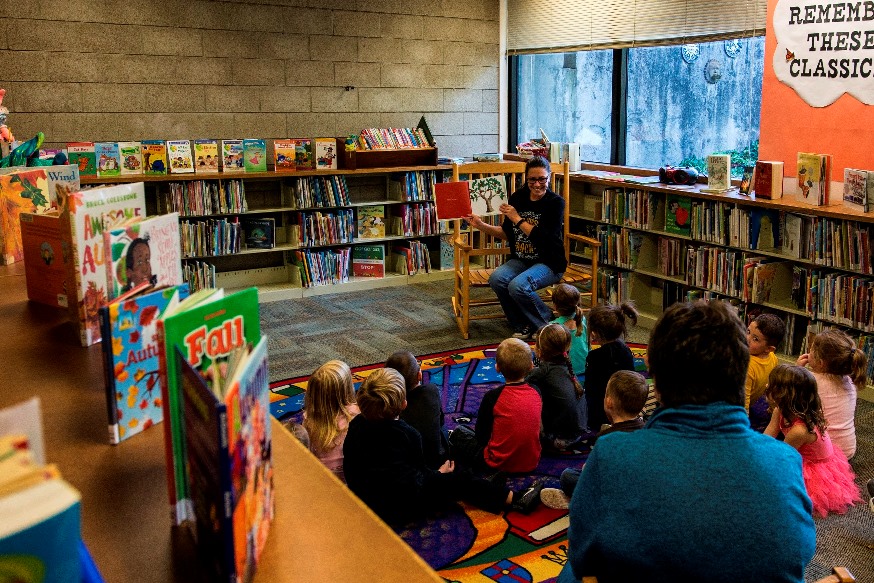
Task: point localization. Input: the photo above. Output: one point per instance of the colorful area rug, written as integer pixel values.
(466, 544)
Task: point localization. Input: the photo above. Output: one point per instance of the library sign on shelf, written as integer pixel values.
(825, 49)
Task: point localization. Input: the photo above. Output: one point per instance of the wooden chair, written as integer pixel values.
(477, 255)
(839, 575)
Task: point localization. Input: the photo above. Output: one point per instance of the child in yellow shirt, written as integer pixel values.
(763, 335)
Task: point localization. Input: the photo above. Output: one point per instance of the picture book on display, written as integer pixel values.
(746, 181)
(718, 173)
(81, 155)
(260, 233)
(179, 157)
(228, 444)
(487, 195)
(108, 159)
(325, 153)
(452, 200)
(232, 155)
(255, 155)
(284, 152)
(129, 338)
(143, 250)
(768, 179)
(45, 263)
(88, 212)
(856, 189)
(154, 157)
(206, 156)
(677, 214)
(813, 184)
(303, 157)
(131, 157)
(368, 261)
(371, 221)
(207, 327)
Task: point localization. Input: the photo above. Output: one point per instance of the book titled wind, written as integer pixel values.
(255, 155)
(131, 158)
(206, 156)
(108, 159)
(179, 157)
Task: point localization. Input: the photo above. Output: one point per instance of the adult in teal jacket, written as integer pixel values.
(696, 495)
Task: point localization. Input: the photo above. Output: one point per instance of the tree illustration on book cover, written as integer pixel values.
(483, 191)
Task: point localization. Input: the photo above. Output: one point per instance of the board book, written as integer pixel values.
(83, 221)
(179, 157)
(207, 328)
(131, 157)
(206, 156)
(130, 358)
(145, 250)
(228, 443)
(154, 157)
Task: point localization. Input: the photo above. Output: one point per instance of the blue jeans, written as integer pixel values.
(568, 480)
(516, 287)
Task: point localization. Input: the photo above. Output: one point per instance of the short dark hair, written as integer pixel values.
(771, 327)
(608, 321)
(538, 162)
(698, 354)
(629, 389)
(405, 363)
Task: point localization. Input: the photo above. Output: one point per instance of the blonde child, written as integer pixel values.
(329, 406)
(798, 415)
(763, 335)
(839, 368)
(563, 421)
(566, 299)
(607, 327)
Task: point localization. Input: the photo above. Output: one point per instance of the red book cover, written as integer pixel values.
(452, 200)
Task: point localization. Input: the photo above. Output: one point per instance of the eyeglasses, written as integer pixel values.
(541, 180)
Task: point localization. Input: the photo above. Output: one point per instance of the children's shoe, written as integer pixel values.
(554, 498)
(526, 501)
(524, 334)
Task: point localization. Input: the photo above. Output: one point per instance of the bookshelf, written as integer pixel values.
(316, 216)
(810, 265)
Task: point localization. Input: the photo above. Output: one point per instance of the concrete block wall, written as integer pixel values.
(112, 70)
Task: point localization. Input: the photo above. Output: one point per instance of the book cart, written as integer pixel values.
(662, 244)
(316, 219)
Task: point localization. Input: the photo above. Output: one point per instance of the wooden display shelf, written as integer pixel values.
(359, 159)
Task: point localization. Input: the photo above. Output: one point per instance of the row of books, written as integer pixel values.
(211, 237)
(413, 186)
(321, 191)
(619, 246)
(204, 197)
(328, 228)
(392, 138)
(407, 258)
(417, 219)
(199, 275)
(324, 266)
(158, 157)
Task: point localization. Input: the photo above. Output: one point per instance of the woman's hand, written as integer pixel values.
(447, 468)
(474, 220)
(509, 211)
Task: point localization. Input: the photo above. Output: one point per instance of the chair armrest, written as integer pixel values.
(839, 575)
(587, 240)
(460, 243)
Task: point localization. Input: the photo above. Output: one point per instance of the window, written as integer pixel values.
(682, 102)
(569, 96)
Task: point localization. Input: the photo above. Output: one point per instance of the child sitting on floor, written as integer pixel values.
(626, 395)
(424, 410)
(607, 327)
(329, 405)
(566, 299)
(763, 335)
(507, 436)
(828, 477)
(564, 408)
(386, 469)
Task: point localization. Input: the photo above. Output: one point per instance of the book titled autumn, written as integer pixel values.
(130, 358)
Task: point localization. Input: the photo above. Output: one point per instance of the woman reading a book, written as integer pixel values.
(534, 227)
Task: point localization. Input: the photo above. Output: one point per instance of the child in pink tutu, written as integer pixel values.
(798, 415)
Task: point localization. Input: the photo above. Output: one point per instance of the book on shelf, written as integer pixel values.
(45, 263)
(368, 261)
(795, 231)
(81, 155)
(131, 157)
(371, 221)
(259, 233)
(143, 250)
(768, 179)
(154, 157)
(763, 282)
(108, 159)
(130, 357)
(856, 189)
(325, 153)
(452, 200)
(746, 181)
(677, 214)
(764, 228)
(284, 152)
(179, 157)
(303, 158)
(87, 214)
(447, 252)
(255, 155)
(813, 179)
(206, 327)
(232, 155)
(487, 194)
(227, 445)
(206, 156)
(718, 173)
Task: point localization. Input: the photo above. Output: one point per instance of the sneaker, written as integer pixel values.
(525, 502)
(554, 498)
(523, 334)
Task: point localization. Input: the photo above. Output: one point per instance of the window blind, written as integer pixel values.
(538, 26)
